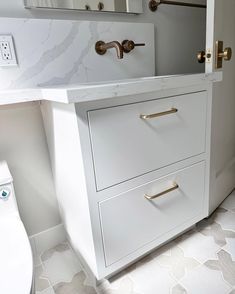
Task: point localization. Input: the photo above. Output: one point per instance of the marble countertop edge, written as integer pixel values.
(103, 90)
(8, 97)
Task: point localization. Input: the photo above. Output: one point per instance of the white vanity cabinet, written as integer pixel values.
(127, 182)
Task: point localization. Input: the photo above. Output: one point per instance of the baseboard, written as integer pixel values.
(225, 180)
(45, 240)
(224, 184)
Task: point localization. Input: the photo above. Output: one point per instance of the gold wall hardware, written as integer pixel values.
(221, 54)
(174, 187)
(102, 47)
(120, 6)
(202, 56)
(153, 4)
(129, 45)
(100, 6)
(154, 115)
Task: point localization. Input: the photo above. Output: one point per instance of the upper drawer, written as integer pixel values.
(125, 146)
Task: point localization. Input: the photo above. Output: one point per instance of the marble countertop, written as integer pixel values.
(20, 95)
(104, 90)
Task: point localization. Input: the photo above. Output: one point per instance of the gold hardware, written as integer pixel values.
(175, 187)
(221, 54)
(227, 54)
(129, 45)
(154, 115)
(102, 47)
(202, 56)
(153, 4)
(100, 6)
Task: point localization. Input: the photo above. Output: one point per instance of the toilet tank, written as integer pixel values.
(8, 205)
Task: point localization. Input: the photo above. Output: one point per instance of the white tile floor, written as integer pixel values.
(202, 261)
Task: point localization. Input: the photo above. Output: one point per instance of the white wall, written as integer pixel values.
(22, 141)
(23, 145)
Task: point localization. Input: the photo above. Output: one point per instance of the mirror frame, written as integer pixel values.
(135, 6)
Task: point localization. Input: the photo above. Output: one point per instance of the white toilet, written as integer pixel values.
(16, 263)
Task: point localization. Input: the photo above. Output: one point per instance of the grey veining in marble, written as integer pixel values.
(47, 57)
(55, 52)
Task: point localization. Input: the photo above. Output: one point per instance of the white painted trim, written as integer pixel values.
(224, 183)
(46, 240)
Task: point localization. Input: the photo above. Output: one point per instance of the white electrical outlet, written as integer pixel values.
(7, 51)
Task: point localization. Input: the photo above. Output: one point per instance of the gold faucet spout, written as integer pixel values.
(102, 47)
(117, 46)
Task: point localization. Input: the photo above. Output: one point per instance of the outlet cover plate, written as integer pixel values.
(7, 51)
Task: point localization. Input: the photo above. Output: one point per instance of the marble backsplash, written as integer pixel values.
(52, 52)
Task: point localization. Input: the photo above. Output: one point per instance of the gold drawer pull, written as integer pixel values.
(149, 116)
(175, 187)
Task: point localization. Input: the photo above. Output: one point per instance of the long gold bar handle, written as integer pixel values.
(175, 187)
(154, 115)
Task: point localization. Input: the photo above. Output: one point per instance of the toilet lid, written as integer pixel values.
(16, 265)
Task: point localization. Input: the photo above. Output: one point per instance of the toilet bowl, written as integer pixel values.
(16, 263)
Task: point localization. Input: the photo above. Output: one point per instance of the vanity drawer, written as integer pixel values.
(129, 221)
(125, 146)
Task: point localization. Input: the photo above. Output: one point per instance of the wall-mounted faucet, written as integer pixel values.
(126, 46)
(102, 47)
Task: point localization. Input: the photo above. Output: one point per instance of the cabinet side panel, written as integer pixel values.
(63, 140)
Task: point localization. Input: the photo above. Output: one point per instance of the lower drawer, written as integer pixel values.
(131, 220)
